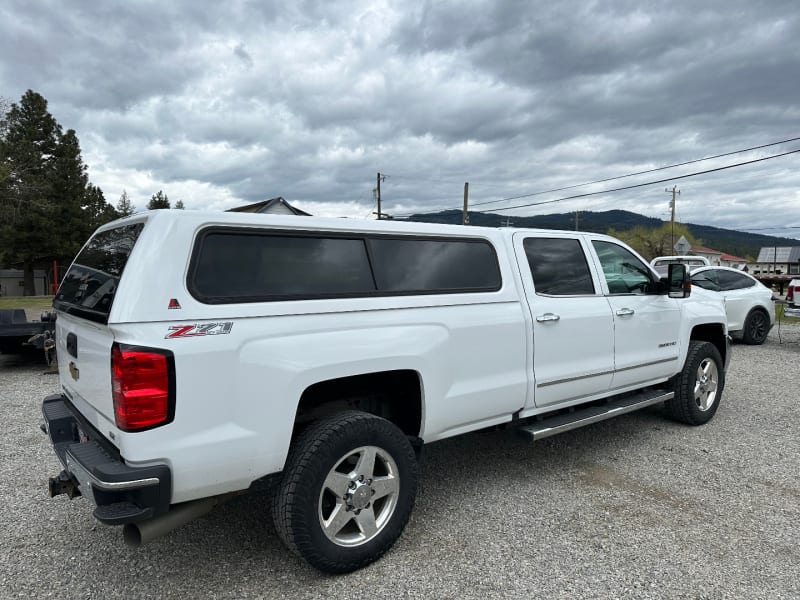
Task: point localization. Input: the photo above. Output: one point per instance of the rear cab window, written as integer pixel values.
(91, 282)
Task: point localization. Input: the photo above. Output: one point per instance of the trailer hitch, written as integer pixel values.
(63, 484)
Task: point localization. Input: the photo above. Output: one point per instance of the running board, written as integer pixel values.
(593, 414)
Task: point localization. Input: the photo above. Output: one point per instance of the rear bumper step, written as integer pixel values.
(593, 414)
(92, 468)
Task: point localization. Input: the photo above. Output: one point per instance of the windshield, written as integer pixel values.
(88, 288)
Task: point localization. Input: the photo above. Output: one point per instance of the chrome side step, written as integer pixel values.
(593, 414)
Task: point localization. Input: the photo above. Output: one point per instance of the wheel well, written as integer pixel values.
(714, 334)
(394, 395)
(758, 309)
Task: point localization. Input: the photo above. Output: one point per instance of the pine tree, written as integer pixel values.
(125, 207)
(29, 229)
(159, 200)
(47, 206)
(68, 189)
(96, 210)
(179, 205)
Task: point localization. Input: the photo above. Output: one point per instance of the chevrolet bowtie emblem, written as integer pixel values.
(74, 371)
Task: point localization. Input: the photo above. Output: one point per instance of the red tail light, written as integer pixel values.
(143, 382)
(790, 294)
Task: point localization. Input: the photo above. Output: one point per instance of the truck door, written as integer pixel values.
(646, 323)
(571, 326)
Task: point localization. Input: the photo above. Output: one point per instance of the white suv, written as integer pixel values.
(748, 303)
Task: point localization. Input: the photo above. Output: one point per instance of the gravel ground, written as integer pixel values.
(636, 507)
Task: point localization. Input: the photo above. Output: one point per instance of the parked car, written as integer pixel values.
(792, 308)
(748, 303)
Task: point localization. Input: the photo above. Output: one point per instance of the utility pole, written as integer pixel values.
(465, 216)
(673, 191)
(775, 262)
(378, 191)
(577, 217)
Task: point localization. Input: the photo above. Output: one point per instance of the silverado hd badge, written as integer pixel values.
(199, 329)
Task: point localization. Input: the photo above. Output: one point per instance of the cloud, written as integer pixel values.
(243, 55)
(226, 103)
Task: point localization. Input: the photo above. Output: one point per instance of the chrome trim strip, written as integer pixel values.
(578, 378)
(559, 296)
(647, 364)
(84, 477)
(599, 373)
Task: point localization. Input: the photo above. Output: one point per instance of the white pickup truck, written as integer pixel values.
(792, 299)
(200, 353)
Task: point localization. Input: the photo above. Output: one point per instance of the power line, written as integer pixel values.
(607, 179)
(683, 164)
(638, 185)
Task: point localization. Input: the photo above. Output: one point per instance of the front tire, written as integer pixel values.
(756, 328)
(698, 387)
(347, 491)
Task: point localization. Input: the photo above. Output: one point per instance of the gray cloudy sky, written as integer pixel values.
(225, 103)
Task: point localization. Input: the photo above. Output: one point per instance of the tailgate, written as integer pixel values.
(83, 337)
(84, 366)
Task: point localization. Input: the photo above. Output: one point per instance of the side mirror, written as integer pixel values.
(679, 284)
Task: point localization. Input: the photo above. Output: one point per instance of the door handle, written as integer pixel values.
(625, 312)
(72, 345)
(547, 317)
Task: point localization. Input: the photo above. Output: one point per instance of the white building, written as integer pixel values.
(12, 282)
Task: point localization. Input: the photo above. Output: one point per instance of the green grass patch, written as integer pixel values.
(32, 302)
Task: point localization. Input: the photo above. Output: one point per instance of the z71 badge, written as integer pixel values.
(199, 329)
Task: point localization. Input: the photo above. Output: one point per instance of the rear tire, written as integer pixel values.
(347, 491)
(756, 328)
(698, 387)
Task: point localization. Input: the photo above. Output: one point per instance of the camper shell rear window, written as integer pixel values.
(90, 284)
(231, 265)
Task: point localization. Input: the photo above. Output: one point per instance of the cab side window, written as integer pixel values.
(558, 267)
(623, 271)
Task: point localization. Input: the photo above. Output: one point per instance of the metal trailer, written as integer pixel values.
(18, 334)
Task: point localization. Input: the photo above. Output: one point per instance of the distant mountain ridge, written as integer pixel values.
(739, 243)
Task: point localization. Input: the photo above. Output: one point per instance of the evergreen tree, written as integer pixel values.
(47, 206)
(96, 210)
(68, 180)
(179, 205)
(159, 200)
(29, 229)
(125, 207)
